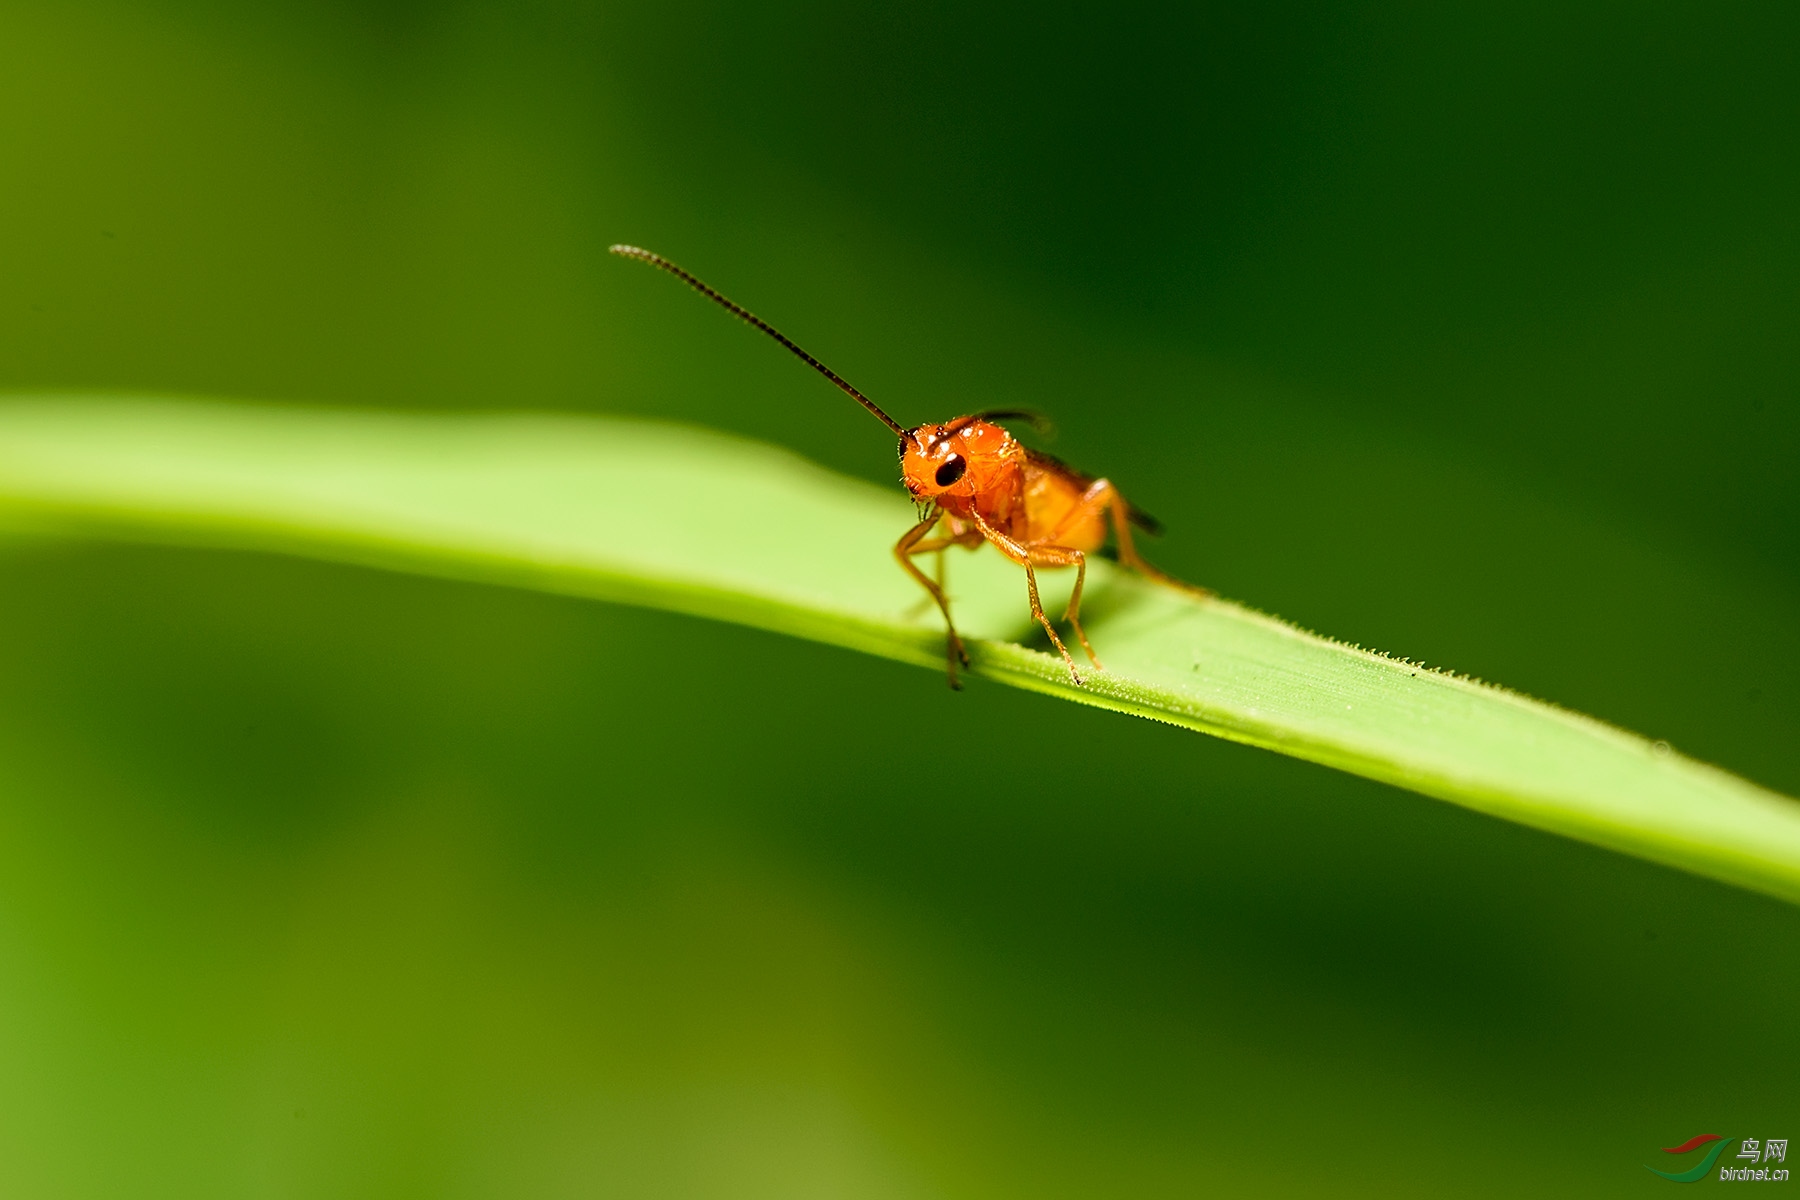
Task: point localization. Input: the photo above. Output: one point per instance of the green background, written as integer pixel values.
(1466, 334)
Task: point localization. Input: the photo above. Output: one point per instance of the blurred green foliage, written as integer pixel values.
(1464, 333)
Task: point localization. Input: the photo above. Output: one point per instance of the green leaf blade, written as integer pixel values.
(721, 527)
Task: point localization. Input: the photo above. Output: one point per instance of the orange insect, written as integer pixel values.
(985, 486)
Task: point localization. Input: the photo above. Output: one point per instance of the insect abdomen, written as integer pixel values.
(1052, 495)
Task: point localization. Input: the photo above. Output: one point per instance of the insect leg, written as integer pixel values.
(1023, 557)
(1062, 556)
(1104, 493)
(1037, 610)
(904, 549)
(935, 545)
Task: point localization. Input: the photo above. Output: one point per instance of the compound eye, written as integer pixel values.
(953, 469)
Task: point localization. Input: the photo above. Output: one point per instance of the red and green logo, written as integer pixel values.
(1697, 1172)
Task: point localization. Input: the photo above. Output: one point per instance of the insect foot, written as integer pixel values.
(953, 654)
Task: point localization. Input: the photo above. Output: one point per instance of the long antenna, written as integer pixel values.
(744, 314)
